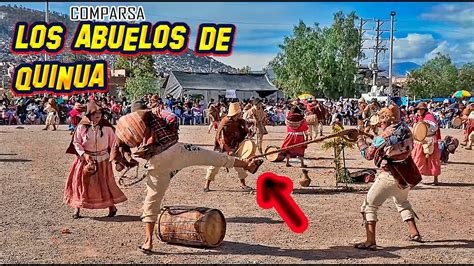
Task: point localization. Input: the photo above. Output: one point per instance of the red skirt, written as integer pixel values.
(292, 139)
(430, 166)
(98, 192)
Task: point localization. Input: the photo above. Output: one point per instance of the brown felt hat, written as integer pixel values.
(92, 107)
(422, 105)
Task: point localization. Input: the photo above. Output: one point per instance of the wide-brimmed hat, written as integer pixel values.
(234, 109)
(92, 107)
(361, 100)
(421, 105)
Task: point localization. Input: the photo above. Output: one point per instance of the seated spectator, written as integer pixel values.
(197, 114)
(187, 116)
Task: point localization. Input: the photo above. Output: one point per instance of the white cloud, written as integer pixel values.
(460, 14)
(458, 53)
(256, 61)
(414, 46)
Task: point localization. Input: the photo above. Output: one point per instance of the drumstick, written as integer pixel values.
(338, 134)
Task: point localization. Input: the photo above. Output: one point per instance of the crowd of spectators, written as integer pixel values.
(193, 111)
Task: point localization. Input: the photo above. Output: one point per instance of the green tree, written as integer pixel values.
(438, 77)
(141, 78)
(137, 87)
(321, 61)
(137, 66)
(466, 77)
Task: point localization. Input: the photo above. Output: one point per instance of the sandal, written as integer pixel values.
(76, 216)
(362, 245)
(416, 238)
(206, 190)
(246, 188)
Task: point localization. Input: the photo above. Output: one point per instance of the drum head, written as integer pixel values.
(214, 228)
(275, 157)
(420, 131)
(246, 149)
(457, 122)
(374, 120)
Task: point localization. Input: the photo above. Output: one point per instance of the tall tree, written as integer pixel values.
(436, 78)
(466, 77)
(318, 60)
(137, 66)
(142, 78)
(137, 87)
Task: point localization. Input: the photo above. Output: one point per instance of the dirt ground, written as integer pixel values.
(34, 167)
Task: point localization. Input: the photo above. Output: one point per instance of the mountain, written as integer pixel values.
(9, 15)
(401, 69)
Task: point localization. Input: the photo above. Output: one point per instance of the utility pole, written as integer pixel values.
(377, 49)
(361, 35)
(390, 68)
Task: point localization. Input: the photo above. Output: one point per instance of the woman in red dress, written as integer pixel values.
(296, 133)
(426, 154)
(93, 139)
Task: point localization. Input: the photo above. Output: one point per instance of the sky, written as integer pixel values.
(421, 29)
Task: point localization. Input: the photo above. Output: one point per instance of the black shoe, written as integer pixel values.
(112, 213)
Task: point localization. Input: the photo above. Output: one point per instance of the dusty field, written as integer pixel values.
(33, 170)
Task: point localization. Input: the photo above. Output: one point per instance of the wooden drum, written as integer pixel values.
(275, 157)
(247, 149)
(420, 131)
(457, 122)
(191, 226)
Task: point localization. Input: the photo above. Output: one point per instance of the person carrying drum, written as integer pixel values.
(231, 132)
(368, 114)
(259, 119)
(312, 120)
(426, 154)
(213, 115)
(296, 127)
(390, 151)
(155, 132)
(52, 110)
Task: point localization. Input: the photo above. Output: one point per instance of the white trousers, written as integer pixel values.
(162, 167)
(386, 186)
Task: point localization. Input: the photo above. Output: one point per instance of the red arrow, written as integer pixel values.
(274, 191)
